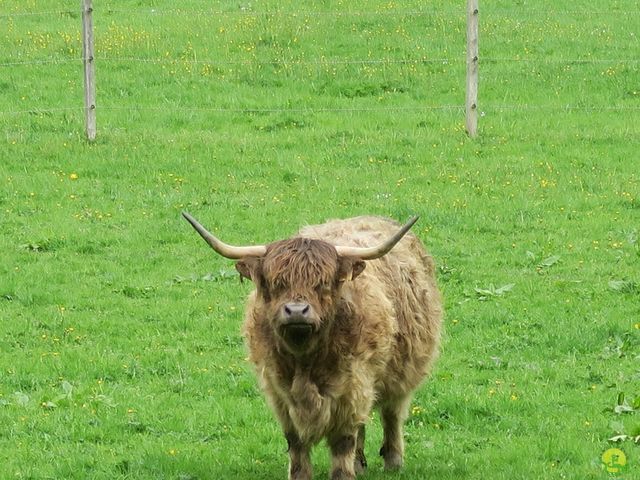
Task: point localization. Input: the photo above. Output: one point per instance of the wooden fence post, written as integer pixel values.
(471, 104)
(88, 61)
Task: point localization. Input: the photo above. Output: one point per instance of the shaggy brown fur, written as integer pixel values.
(375, 334)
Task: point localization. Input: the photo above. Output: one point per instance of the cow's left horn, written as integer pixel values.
(371, 253)
(229, 251)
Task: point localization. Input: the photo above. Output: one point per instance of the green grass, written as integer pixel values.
(119, 330)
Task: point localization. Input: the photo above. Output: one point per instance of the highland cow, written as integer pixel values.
(331, 340)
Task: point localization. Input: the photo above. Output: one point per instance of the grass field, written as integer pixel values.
(120, 347)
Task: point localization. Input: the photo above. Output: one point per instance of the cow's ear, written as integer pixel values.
(349, 268)
(357, 268)
(249, 268)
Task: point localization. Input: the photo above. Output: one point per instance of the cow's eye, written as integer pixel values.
(323, 290)
(278, 286)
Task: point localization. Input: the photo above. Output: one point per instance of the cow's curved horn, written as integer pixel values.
(371, 253)
(229, 251)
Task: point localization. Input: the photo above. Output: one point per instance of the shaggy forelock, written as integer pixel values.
(300, 263)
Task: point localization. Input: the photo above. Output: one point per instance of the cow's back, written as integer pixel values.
(406, 276)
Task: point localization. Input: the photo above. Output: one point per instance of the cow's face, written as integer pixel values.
(298, 283)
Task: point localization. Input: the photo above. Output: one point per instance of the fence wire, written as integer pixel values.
(38, 14)
(485, 110)
(343, 13)
(325, 62)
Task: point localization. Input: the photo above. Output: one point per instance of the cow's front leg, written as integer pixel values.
(343, 455)
(393, 415)
(360, 465)
(299, 458)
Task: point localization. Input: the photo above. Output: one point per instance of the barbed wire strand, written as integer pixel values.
(291, 13)
(321, 62)
(246, 110)
(39, 14)
(320, 110)
(382, 12)
(358, 13)
(247, 12)
(53, 61)
(37, 111)
(581, 61)
(568, 108)
(379, 61)
(325, 62)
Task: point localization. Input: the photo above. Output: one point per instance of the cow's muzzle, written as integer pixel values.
(296, 324)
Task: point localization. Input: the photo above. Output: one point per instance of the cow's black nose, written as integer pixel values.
(296, 311)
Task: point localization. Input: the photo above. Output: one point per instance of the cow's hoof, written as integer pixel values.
(393, 462)
(360, 463)
(340, 474)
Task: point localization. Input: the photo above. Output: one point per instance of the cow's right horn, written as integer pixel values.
(228, 251)
(371, 253)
